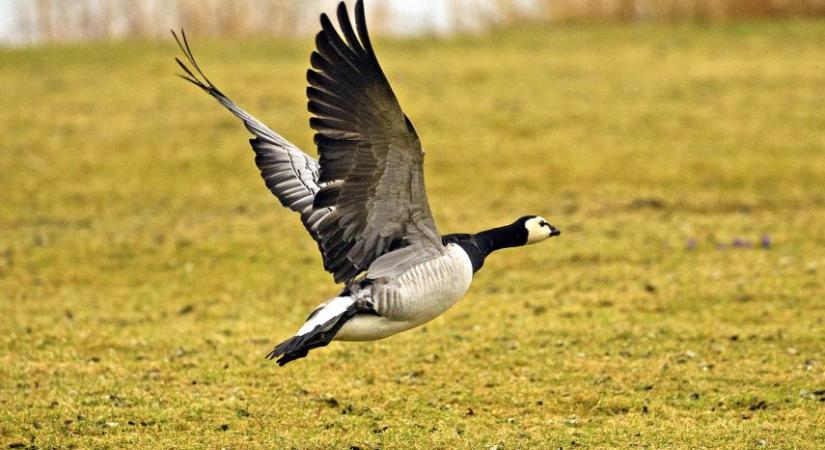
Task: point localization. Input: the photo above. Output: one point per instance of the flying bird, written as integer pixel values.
(363, 201)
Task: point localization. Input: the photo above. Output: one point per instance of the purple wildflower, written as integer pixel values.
(740, 243)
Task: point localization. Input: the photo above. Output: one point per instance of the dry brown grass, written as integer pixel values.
(713, 10)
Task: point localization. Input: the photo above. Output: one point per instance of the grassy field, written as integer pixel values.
(145, 270)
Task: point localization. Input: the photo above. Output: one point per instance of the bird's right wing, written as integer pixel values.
(289, 173)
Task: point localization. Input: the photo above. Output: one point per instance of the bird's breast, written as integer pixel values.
(428, 289)
(419, 295)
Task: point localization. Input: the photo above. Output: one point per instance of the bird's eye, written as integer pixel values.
(544, 224)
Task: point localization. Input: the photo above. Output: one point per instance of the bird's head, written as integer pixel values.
(538, 229)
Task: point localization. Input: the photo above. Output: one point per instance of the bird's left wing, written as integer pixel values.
(289, 173)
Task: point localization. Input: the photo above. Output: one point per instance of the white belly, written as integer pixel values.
(419, 295)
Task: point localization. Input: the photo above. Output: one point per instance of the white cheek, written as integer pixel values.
(536, 232)
(537, 236)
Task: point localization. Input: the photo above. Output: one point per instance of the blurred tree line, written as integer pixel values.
(62, 20)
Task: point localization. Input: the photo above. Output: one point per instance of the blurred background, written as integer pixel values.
(32, 21)
(145, 270)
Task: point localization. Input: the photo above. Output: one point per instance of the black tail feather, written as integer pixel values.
(298, 347)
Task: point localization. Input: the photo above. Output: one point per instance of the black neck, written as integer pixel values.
(478, 246)
(513, 235)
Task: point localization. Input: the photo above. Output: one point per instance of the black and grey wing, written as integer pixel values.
(289, 173)
(371, 160)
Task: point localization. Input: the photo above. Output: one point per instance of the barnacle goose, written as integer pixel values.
(364, 201)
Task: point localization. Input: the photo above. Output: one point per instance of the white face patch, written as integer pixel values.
(538, 229)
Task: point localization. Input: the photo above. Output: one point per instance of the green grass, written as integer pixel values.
(145, 270)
